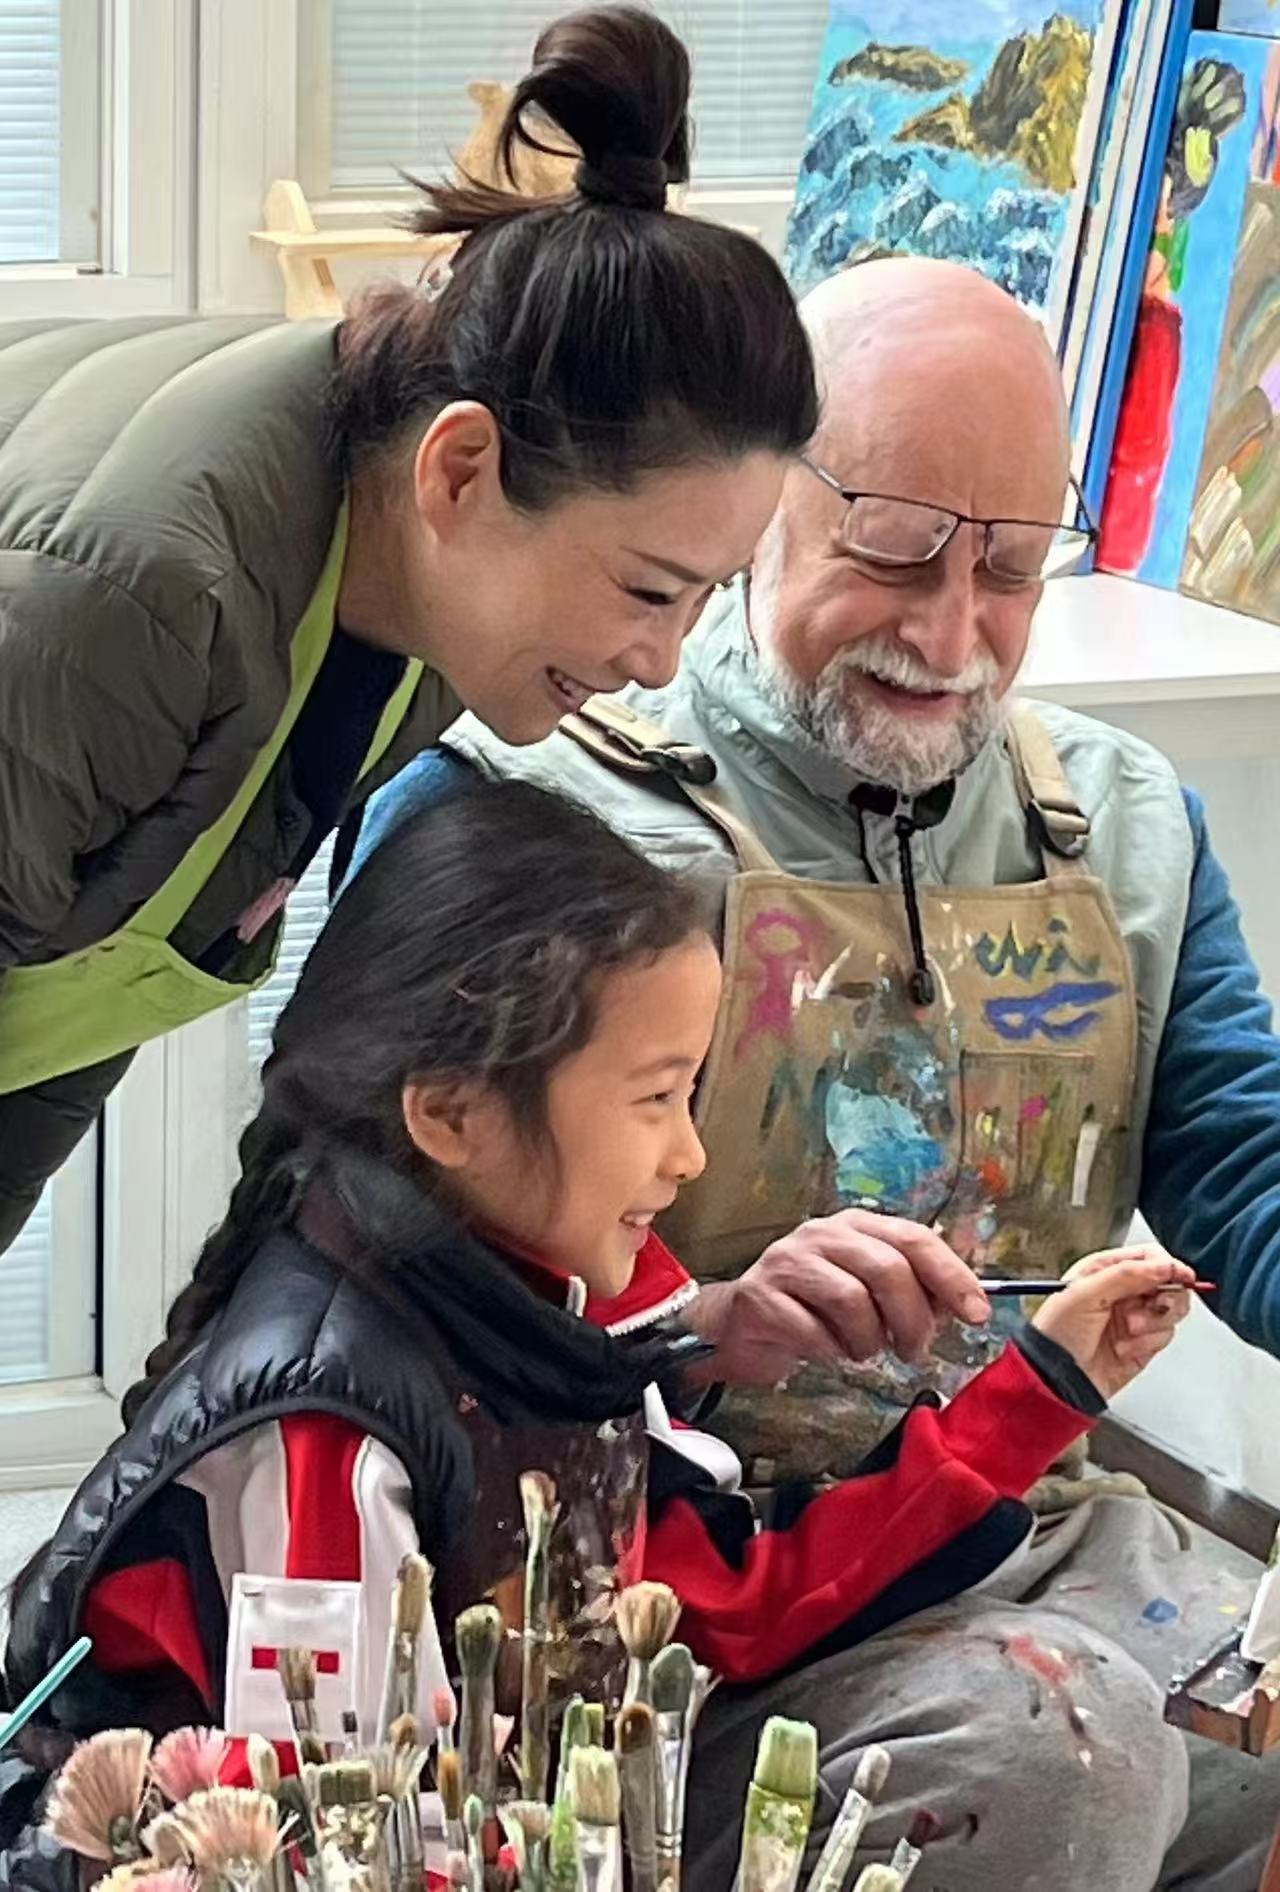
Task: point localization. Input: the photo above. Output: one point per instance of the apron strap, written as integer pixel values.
(1057, 821)
(630, 744)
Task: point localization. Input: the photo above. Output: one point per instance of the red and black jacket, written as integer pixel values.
(456, 1365)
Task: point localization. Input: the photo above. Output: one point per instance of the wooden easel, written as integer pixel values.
(305, 253)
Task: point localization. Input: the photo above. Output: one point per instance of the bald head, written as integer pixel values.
(933, 376)
(938, 389)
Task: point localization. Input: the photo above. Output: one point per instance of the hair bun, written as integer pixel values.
(634, 183)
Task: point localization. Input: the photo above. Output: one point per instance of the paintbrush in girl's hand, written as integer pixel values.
(410, 1600)
(832, 1869)
(478, 1636)
(908, 1852)
(637, 1763)
(997, 1288)
(298, 1679)
(538, 1497)
(779, 1809)
(596, 1797)
(647, 1615)
(96, 1801)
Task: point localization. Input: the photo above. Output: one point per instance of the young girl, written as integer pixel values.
(477, 1103)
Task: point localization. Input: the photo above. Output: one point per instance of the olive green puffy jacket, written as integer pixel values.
(167, 497)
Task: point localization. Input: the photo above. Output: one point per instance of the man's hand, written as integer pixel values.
(843, 1288)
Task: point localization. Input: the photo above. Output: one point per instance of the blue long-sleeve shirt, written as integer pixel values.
(1211, 1159)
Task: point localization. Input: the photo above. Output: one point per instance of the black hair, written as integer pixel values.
(471, 946)
(607, 337)
(1211, 100)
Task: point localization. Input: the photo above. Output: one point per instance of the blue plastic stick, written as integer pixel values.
(42, 1690)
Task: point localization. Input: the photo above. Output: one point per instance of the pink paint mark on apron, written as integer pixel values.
(1034, 1109)
(785, 977)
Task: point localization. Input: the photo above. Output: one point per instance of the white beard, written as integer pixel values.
(906, 753)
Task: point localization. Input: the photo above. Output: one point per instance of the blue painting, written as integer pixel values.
(1173, 363)
(1250, 16)
(956, 132)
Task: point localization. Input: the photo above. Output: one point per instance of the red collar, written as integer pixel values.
(659, 1286)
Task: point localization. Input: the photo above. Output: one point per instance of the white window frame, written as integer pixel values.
(759, 207)
(137, 127)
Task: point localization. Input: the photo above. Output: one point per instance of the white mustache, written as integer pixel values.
(885, 659)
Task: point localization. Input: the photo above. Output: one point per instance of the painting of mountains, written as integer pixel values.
(957, 132)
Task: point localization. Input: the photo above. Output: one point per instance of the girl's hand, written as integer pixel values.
(1113, 1320)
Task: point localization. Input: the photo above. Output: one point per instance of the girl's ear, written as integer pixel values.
(447, 1122)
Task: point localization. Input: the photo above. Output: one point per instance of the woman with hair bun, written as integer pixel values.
(247, 569)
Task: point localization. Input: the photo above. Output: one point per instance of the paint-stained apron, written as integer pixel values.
(133, 986)
(999, 1113)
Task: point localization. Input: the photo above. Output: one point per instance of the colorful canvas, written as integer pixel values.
(963, 133)
(1233, 546)
(1250, 16)
(1112, 318)
(1172, 368)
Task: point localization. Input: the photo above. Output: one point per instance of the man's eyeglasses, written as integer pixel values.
(884, 530)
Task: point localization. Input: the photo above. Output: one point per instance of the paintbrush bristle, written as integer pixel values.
(923, 1830)
(396, 1769)
(188, 1760)
(787, 1759)
(99, 1789)
(636, 1729)
(478, 1634)
(165, 1840)
(264, 1764)
(227, 1824)
(878, 1879)
(297, 1674)
(356, 1781)
(405, 1731)
(533, 1818)
(671, 1679)
(538, 1501)
(150, 1877)
(412, 1594)
(595, 1792)
(449, 1781)
(473, 1821)
(872, 1772)
(647, 1614)
(444, 1710)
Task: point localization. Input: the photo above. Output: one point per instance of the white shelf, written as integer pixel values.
(1104, 640)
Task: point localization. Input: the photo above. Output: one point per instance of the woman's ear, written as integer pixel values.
(447, 1122)
(458, 464)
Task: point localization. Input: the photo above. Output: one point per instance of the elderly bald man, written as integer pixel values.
(986, 984)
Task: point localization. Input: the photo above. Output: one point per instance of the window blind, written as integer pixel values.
(305, 914)
(26, 1270)
(30, 130)
(401, 68)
